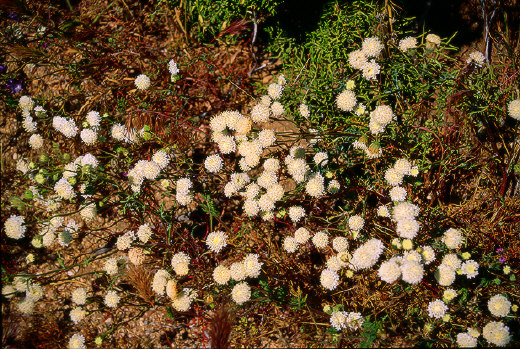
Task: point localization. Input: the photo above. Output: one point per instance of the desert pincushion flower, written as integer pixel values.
(26, 103)
(14, 227)
(437, 309)
(216, 241)
(213, 163)
(476, 58)
(320, 239)
(452, 238)
(77, 314)
(290, 244)
(346, 100)
(389, 271)
(496, 333)
(329, 279)
(77, 341)
(112, 299)
(36, 141)
(251, 265)
(79, 296)
(407, 43)
(338, 320)
(499, 306)
(142, 82)
(513, 108)
(180, 263)
(296, 213)
(221, 275)
(241, 293)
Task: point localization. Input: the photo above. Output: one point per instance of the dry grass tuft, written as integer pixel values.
(141, 279)
(220, 324)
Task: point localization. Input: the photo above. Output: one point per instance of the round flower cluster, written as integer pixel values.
(304, 110)
(329, 279)
(221, 275)
(398, 194)
(136, 256)
(93, 118)
(184, 298)
(499, 305)
(380, 117)
(28, 124)
(159, 281)
(161, 158)
(340, 244)
(437, 309)
(315, 187)
(476, 58)
(172, 67)
(320, 239)
(14, 227)
(182, 195)
(412, 272)
(407, 43)
(452, 238)
(404, 210)
(302, 235)
(125, 241)
(111, 266)
(66, 127)
(88, 136)
(371, 47)
(216, 241)
(356, 223)
(36, 141)
(241, 293)
(64, 189)
(112, 299)
(370, 70)
(260, 113)
(346, 100)
(496, 333)
(142, 82)
(26, 103)
(77, 341)
(77, 314)
(180, 263)
(275, 91)
(296, 213)
(290, 244)
(333, 187)
(433, 39)
(213, 163)
(144, 232)
(445, 275)
(365, 256)
(513, 108)
(321, 159)
(448, 295)
(469, 268)
(297, 168)
(466, 340)
(79, 296)
(389, 271)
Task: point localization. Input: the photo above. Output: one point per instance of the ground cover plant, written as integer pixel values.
(172, 178)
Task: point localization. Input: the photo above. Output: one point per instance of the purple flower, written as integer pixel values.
(14, 85)
(3, 68)
(502, 259)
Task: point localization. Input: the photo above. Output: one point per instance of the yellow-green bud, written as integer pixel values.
(98, 340)
(29, 258)
(350, 85)
(407, 244)
(28, 195)
(507, 269)
(328, 174)
(37, 241)
(43, 157)
(466, 255)
(72, 180)
(147, 136)
(39, 178)
(32, 165)
(66, 157)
